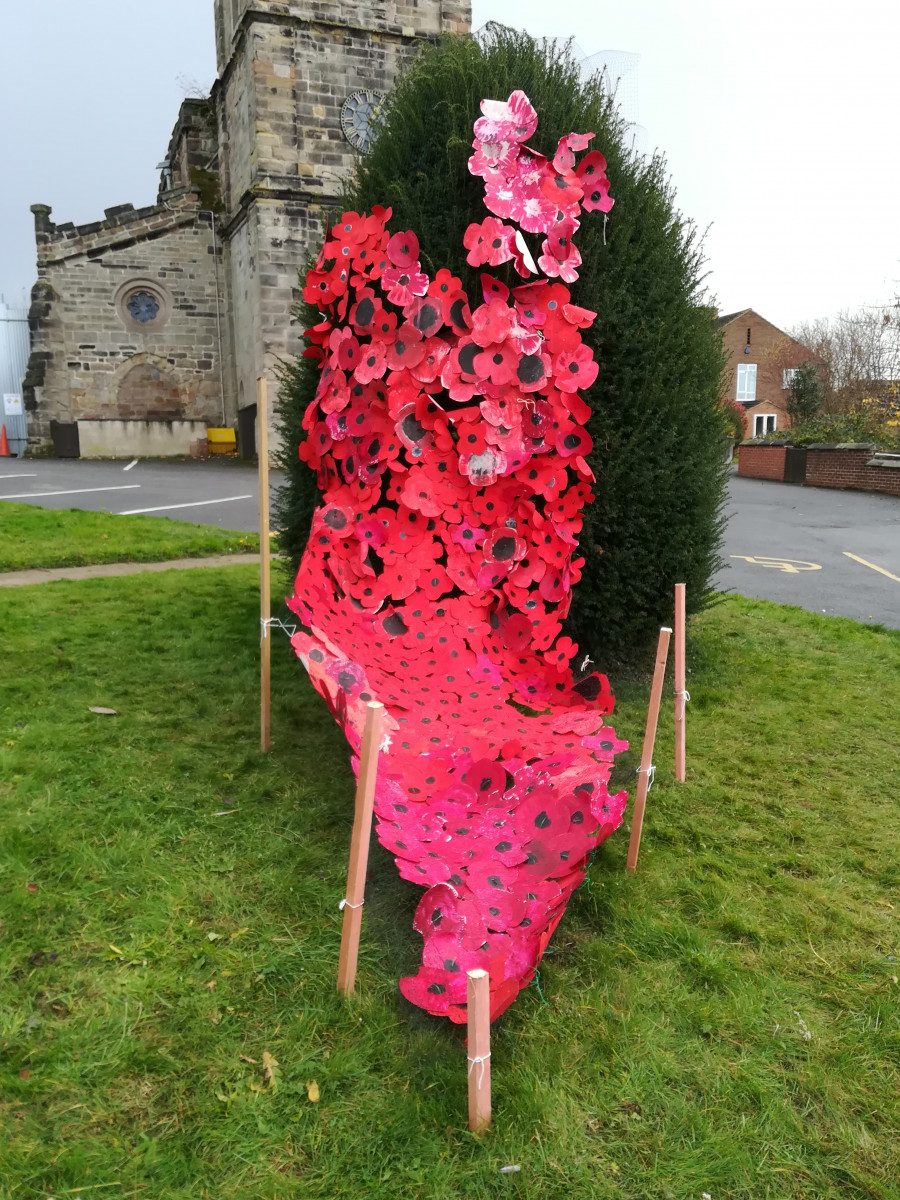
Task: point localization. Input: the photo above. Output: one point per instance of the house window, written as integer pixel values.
(764, 423)
(788, 376)
(746, 382)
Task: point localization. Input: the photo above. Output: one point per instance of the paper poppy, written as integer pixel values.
(403, 250)
(575, 370)
(490, 243)
(403, 284)
(441, 560)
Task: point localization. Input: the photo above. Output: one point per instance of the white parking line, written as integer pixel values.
(20, 475)
(122, 487)
(135, 512)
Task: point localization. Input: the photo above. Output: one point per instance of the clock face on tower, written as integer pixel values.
(361, 114)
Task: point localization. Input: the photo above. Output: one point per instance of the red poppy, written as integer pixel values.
(457, 313)
(575, 370)
(564, 190)
(403, 250)
(428, 369)
(498, 363)
(349, 351)
(443, 285)
(591, 168)
(426, 314)
(572, 439)
(407, 349)
(491, 323)
(350, 229)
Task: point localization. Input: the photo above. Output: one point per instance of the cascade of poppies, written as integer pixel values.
(449, 444)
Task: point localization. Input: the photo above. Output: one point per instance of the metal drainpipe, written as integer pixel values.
(209, 212)
(218, 312)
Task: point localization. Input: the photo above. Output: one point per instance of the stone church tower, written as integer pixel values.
(171, 312)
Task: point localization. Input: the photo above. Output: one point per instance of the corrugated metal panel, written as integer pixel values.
(15, 347)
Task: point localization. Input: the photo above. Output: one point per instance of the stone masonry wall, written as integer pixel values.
(285, 71)
(96, 360)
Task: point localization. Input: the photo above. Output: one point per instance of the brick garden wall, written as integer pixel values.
(848, 467)
(844, 465)
(761, 462)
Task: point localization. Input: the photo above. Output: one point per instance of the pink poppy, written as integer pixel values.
(490, 243)
(372, 363)
(403, 284)
(468, 536)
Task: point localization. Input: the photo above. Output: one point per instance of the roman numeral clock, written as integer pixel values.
(361, 114)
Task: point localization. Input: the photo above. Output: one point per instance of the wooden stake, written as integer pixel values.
(479, 1050)
(265, 603)
(359, 848)
(640, 800)
(680, 693)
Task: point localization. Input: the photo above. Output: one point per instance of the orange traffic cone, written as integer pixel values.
(4, 443)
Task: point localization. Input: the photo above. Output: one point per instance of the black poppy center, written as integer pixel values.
(530, 369)
(365, 311)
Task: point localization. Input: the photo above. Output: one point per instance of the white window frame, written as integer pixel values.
(746, 383)
(765, 418)
(788, 375)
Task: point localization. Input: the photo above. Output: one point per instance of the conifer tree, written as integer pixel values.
(657, 430)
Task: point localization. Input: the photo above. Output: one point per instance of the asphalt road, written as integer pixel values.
(824, 550)
(222, 492)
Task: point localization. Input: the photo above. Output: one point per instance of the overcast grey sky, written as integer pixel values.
(779, 121)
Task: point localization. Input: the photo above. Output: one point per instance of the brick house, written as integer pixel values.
(761, 360)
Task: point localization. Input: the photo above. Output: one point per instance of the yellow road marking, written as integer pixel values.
(790, 566)
(881, 570)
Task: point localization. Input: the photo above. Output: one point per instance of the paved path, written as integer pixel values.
(221, 492)
(99, 570)
(825, 550)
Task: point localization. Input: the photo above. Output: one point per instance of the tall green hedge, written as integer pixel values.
(658, 435)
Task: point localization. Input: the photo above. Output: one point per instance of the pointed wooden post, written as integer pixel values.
(681, 696)
(265, 602)
(359, 848)
(479, 1050)
(643, 787)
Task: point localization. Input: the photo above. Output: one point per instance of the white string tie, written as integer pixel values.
(685, 697)
(587, 662)
(268, 623)
(345, 903)
(650, 772)
(481, 1059)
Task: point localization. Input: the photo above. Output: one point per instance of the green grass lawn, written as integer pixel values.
(170, 915)
(70, 537)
